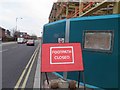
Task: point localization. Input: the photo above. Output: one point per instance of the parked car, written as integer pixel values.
(30, 43)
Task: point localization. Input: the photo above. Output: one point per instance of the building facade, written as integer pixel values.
(2, 33)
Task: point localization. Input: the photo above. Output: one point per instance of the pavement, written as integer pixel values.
(3, 43)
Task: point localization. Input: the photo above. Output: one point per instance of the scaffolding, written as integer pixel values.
(62, 10)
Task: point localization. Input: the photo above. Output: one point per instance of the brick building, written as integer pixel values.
(2, 33)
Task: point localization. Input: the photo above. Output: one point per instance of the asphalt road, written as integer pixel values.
(14, 59)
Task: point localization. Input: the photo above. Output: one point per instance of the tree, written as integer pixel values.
(33, 36)
(13, 30)
(14, 33)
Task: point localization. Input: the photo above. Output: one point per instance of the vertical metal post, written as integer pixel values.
(16, 23)
(83, 77)
(47, 78)
(78, 79)
(67, 31)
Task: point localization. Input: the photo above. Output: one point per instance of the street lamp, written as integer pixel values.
(16, 22)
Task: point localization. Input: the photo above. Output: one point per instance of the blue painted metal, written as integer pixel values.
(101, 69)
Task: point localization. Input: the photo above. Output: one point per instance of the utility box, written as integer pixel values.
(99, 38)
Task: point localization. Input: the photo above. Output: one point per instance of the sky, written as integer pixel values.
(34, 14)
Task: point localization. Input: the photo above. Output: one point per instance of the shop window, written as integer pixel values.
(98, 40)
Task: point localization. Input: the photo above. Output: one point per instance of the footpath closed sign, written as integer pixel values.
(61, 57)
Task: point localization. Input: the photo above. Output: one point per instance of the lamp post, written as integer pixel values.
(16, 27)
(16, 22)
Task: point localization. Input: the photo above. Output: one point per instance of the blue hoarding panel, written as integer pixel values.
(101, 68)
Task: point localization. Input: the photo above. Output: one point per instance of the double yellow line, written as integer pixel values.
(27, 68)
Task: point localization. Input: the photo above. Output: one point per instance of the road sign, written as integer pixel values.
(61, 40)
(61, 57)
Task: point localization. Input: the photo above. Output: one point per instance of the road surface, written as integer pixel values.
(15, 57)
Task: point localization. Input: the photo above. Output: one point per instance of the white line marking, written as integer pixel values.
(26, 78)
(14, 47)
(23, 73)
(9, 43)
(4, 50)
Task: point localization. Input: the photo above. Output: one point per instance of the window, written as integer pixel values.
(98, 40)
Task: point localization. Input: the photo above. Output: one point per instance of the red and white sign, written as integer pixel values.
(61, 57)
(61, 40)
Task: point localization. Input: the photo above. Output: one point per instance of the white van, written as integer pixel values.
(20, 40)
